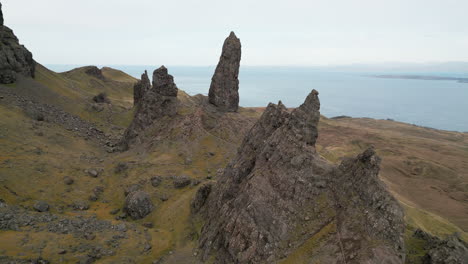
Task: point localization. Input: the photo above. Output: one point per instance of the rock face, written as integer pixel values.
(224, 89)
(140, 88)
(14, 58)
(152, 103)
(138, 204)
(279, 196)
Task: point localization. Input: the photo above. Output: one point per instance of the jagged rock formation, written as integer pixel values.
(163, 83)
(279, 196)
(153, 103)
(140, 88)
(14, 58)
(452, 250)
(225, 83)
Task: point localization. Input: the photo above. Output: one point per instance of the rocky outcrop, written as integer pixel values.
(152, 104)
(138, 204)
(140, 88)
(94, 71)
(451, 250)
(278, 196)
(14, 58)
(224, 89)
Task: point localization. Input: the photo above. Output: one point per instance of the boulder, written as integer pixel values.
(101, 98)
(138, 204)
(224, 88)
(181, 181)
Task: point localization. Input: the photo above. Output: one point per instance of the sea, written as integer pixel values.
(440, 104)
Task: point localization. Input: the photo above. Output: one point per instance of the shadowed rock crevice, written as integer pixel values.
(224, 89)
(278, 194)
(14, 57)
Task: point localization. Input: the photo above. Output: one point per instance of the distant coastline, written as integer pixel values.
(423, 77)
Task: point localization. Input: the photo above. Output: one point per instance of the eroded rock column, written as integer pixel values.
(224, 89)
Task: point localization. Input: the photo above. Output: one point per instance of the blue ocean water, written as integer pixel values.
(437, 104)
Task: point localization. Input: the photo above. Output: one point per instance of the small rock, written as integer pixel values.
(80, 205)
(121, 167)
(41, 206)
(115, 211)
(93, 198)
(148, 224)
(181, 181)
(92, 172)
(68, 180)
(89, 236)
(156, 181)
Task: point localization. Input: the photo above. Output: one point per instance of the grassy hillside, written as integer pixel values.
(426, 169)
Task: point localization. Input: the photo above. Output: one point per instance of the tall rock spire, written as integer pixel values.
(224, 89)
(140, 88)
(1, 15)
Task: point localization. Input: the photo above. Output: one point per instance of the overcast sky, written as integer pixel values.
(287, 32)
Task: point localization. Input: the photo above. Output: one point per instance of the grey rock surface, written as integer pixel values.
(224, 88)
